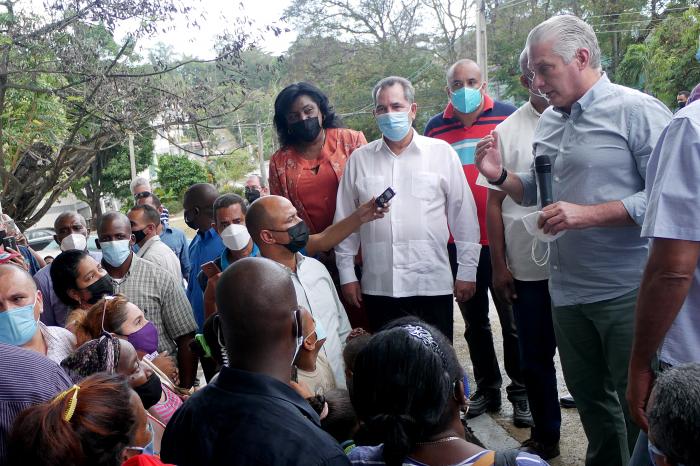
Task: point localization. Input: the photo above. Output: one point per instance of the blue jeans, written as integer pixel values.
(533, 320)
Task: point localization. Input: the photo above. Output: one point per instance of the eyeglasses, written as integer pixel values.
(142, 195)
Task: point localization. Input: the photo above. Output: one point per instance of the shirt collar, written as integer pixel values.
(224, 259)
(149, 243)
(449, 112)
(594, 93)
(209, 234)
(239, 381)
(531, 108)
(384, 146)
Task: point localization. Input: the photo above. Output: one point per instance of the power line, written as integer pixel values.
(624, 30)
(633, 13)
(510, 4)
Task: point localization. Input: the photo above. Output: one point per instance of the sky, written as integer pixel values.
(199, 42)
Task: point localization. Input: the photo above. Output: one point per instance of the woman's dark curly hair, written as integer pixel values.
(402, 385)
(284, 102)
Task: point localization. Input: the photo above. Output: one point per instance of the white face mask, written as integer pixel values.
(235, 237)
(530, 222)
(74, 241)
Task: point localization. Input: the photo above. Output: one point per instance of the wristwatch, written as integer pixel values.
(499, 181)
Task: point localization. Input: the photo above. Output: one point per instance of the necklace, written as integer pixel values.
(440, 440)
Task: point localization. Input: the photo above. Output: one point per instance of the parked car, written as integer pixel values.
(53, 249)
(39, 238)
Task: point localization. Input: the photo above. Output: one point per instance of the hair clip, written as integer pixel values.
(72, 403)
(420, 333)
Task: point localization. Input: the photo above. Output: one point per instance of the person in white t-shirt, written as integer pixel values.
(312, 367)
(519, 281)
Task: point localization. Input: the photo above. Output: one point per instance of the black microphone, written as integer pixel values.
(543, 168)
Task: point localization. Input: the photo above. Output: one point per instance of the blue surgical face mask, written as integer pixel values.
(394, 125)
(466, 99)
(18, 325)
(116, 252)
(320, 330)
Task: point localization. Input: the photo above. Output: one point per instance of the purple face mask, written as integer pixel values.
(145, 339)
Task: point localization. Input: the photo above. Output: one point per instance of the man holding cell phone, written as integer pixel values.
(406, 270)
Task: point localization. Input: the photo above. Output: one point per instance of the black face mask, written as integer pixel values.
(305, 130)
(101, 287)
(298, 237)
(139, 235)
(189, 219)
(251, 194)
(681, 104)
(150, 392)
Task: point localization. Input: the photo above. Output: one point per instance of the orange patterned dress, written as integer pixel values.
(312, 185)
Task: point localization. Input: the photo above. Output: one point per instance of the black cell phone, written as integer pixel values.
(295, 374)
(385, 197)
(10, 242)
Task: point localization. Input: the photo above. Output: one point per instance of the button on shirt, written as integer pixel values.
(599, 153)
(316, 293)
(203, 248)
(176, 240)
(247, 418)
(157, 252)
(26, 379)
(673, 213)
(405, 252)
(161, 298)
(515, 142)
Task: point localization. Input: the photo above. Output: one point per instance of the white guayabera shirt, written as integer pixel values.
(405, 253)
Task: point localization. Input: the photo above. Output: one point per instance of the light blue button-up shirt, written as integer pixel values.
(674, 213)
(599, 153)
(177, 241)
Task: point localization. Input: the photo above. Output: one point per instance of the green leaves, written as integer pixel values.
(177, 173)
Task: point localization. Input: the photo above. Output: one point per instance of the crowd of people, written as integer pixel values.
(320, 309)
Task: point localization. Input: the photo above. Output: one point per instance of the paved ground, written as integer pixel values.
(496, 430)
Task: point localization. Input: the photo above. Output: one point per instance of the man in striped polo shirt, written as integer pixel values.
(470, 115)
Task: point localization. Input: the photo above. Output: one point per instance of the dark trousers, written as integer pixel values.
(478, 333)
(533, 318)
(434, 310)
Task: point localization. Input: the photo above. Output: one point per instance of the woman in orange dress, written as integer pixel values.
(315, 148)
(307, 169)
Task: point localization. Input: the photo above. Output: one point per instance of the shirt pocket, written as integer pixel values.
(371, 186)
(422, 256)
(376, 257)
(424, 185)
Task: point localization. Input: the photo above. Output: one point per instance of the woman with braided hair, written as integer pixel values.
(408, 390)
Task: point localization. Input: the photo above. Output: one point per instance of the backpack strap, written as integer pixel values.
(486, 460)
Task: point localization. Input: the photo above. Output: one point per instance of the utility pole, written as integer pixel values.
(261, 157)
(481, 46)
(132, 159)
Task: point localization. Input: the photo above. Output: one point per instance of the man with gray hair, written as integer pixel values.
(673, 413)
(406, 270)
(140, 189)
(598, 137)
